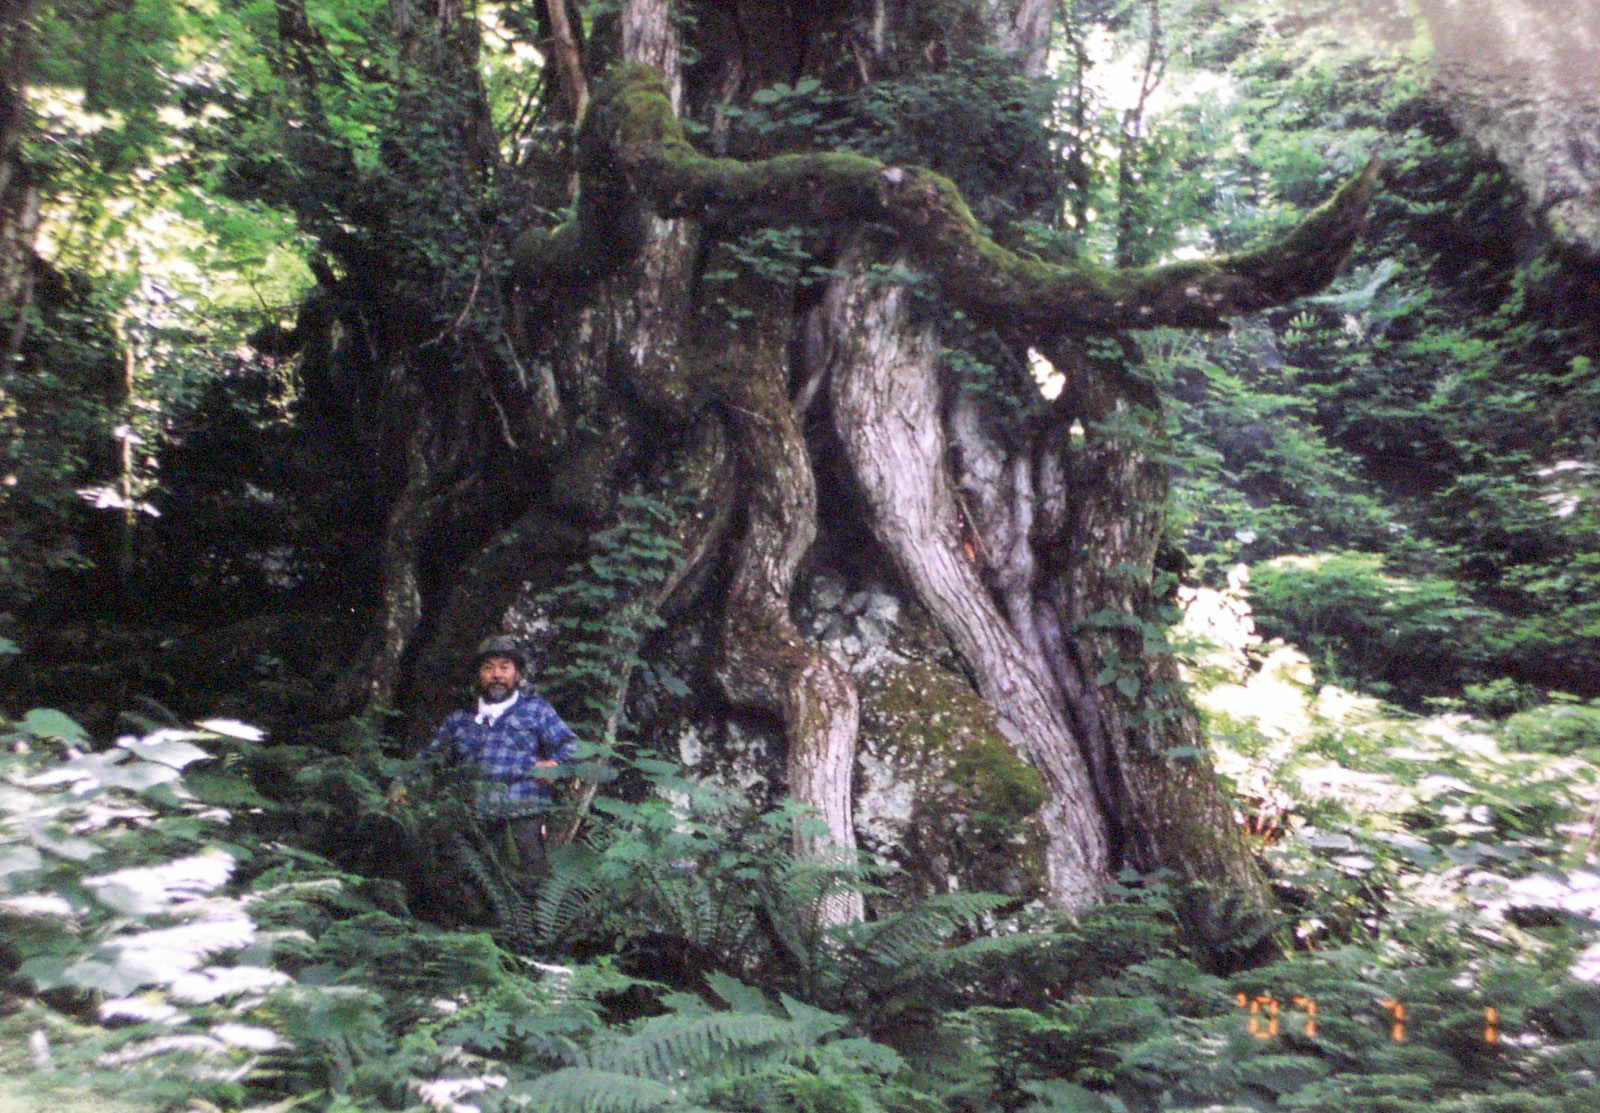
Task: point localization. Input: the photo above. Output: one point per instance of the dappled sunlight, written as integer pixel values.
(1569, 485)
(1438, 806)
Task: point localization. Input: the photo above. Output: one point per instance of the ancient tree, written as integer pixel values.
(661, 289)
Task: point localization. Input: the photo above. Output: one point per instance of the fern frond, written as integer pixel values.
(567, 891)
(560, 901)
(738, 996)
(913, 933)
(976, 957)
(675, 1045)
(811, 1023)
(592, 1090)
(516, 920)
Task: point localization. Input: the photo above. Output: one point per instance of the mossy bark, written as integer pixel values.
(887, 410)
(767, 662)
(633, 147)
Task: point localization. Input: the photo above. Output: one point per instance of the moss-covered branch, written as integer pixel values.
(632, 151)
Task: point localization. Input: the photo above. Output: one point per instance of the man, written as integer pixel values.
(509, 739)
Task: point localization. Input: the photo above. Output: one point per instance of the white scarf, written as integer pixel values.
(490, 712)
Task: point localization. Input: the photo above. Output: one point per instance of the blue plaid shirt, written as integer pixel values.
(505, 751)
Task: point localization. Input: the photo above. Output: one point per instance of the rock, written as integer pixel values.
(941, 792)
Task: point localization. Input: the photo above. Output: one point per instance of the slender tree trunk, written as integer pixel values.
(19, 196)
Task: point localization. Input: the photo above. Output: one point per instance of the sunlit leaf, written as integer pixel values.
(164, 750)
(218, 982)
(141, 1009)
(233, 728)
(70, 847)
(146, 890)
(38, 904)
(18, 859)
(247, 1036)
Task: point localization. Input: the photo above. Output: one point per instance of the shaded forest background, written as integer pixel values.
(272, 463)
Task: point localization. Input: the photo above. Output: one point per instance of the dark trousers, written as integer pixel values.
(527, 835)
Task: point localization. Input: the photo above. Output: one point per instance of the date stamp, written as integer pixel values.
(1266, 1017)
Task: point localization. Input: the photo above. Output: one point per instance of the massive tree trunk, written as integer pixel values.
(733, 340)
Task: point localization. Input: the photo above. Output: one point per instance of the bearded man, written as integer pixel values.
(506, 742)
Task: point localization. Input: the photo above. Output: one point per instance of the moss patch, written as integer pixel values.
(943, 791)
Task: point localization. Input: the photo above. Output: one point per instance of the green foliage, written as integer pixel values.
(58, 409)
(1427, 425)
(604, 610)
(976, 120)
(1434, 407)
(1405, 638)
(247, 969)
(1562, 727)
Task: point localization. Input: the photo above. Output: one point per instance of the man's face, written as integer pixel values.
(497, 678)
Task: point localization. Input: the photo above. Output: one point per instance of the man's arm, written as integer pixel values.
(558, 745)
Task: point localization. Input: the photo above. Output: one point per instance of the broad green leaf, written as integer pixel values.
(42, 722)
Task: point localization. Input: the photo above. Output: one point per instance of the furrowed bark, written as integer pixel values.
(766, 661)
(400, 598)
(886, 403)
(1168, 810)
(568, 60)
(652, 311)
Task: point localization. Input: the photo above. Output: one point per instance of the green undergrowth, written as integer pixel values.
(207, 919)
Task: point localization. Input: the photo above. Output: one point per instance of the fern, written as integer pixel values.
(667, 1046)
(588, 1090)
(516, 921)
(567, 891)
